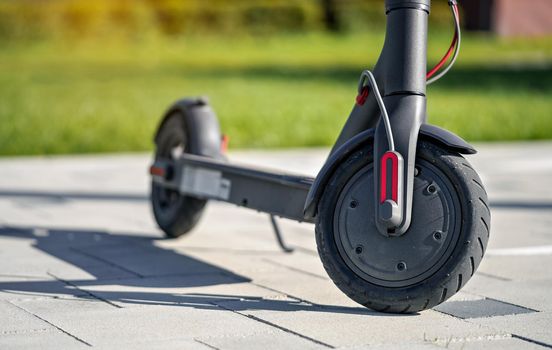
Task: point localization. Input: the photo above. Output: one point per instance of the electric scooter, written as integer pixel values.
(401, 218)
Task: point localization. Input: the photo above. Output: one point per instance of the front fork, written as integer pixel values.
(401, 77)
(394, 171)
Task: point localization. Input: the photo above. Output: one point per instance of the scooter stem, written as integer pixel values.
(401, 76)
(402, 67)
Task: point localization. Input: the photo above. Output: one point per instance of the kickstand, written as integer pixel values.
(278, 233)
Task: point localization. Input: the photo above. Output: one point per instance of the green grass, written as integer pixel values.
(283, 91)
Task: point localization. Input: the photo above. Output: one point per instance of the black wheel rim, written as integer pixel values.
(408, 259)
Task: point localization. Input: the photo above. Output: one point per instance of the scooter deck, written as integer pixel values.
(266, 190)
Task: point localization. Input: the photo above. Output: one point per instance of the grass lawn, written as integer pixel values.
(283, 91)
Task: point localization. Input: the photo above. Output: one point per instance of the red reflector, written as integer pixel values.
(157, 171)
(394, 176)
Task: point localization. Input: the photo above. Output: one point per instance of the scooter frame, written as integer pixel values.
(204, 172)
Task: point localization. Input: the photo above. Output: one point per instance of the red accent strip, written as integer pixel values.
(394, 177)
(157, 171)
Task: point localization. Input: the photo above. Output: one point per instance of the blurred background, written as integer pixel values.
(89, 76)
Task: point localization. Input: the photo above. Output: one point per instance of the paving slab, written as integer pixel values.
(480, 308)
(50, 339)
(341, 326)
(198, 291)
(25, 259)
(532, 227)
(20, 328)
(311, 288)
(16, 320)
(409, 345)
(515, 269)
(21, 288)
(127, 326)
(267, 340)
(490, 344)
(530, 294)
(536, 327)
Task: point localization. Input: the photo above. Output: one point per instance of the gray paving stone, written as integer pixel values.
(12, 214)
(260, 263)
(480, 308)
(76, 173)
(15, 320)
(409, 345)
(299, 262)
(153, 323)
(170, 344)
(305, 286)
(516, 268)
(517, 227)
(251, 231)
(268, 340)
(20, 329)
(489, 344)
(15, 288)
(534, 326)
(102, 215)
(463, 296)
(199, 291)
(50, 339)
(30, 257)
(60, 306)
(239, 262)
(355, 326)
(151, 261)
(530, 294)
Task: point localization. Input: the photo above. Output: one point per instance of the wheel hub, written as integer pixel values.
(402, 260)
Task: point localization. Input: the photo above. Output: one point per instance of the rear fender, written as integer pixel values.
(202, 126)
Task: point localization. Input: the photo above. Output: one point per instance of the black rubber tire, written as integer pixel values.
(458, 268)
(175, 214)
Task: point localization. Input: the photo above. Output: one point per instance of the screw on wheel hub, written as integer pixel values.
(407, 259)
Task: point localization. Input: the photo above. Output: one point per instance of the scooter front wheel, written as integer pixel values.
(429, 263)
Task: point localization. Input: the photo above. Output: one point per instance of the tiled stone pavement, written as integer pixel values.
(83, 264)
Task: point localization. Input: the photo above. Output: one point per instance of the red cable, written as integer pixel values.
(449, 52)
(363, 95)
(444, 59)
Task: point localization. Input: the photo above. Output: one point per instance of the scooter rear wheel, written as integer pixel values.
(175, 214)
(429, 263)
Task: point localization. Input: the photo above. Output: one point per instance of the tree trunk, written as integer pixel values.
(331, 15)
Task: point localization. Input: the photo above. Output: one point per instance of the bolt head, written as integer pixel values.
(401, 266)
(431, 189)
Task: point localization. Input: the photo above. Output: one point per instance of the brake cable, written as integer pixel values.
(374, 85)
(363, 90)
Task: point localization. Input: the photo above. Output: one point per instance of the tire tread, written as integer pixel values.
(420, 298)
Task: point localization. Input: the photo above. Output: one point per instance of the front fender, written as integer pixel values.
(433, 133)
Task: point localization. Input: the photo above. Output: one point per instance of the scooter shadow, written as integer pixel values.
(128, 269)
